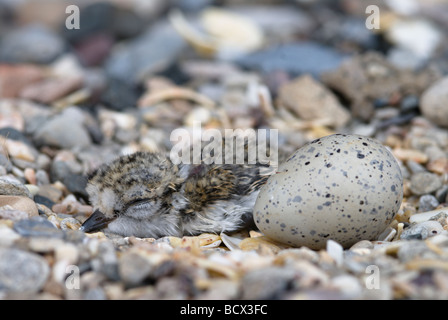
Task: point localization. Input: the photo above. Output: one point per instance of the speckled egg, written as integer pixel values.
(341, 187)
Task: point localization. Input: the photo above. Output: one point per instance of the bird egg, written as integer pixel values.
(341, 187)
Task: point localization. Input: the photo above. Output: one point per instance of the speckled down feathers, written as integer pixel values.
(149, 196)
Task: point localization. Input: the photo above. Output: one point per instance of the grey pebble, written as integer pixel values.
(134, 268)
(434, 101)
(159, 45)
(315, 59)
(106, 262)
(37, 227)
(267, 283)
(22, 271)
(424, 183)
(13, 187)
(415, 249)
(31, 43)
(422, 231)
(65, 130)
(427, 202)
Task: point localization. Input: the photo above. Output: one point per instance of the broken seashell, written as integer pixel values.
(70, 224)
(225, 34)
(422, 230)
(232, 243)
(425, 216)
(387, 235)
(262, 245)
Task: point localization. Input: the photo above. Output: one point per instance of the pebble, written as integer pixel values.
(303, 94)
(134, 268)
(159, 45)
(314, 58)
(119, 95)
(22, 271)
(37, 227)
(267, 283)
(280, 21)
(20, 150)
(424, 183)
(415, 35)
(7, 235)
(51, 89)
(422, 230)
(32, 44)
(13, 78)
(434, 101)
(19, 205)
(65, 130)
(11, 186)
(427, 202)
(425, 216)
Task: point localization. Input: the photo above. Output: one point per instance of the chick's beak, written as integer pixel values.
(96, 222)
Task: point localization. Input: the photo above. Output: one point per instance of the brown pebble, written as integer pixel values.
(20, 203)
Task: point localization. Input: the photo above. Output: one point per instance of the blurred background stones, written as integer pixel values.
(71, 99)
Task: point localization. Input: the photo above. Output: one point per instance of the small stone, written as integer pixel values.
(67, 252)
(65, 131)
(70, 224)
(92, 50)
(20, 150)
(418, 36)
(315, 59)
(267, 283)
(21, 204)
(410, 154)
(409, 103)
(134, 268)
(44, 245)
(22, 271)
(13, 78)
(427, 203)
(303, 94)
(119, 95)
(107, 261)
(415, 167)
(425, 216)
(415, 249)
(31, 43)
(52, 89)
(349, 286)
(363, 244)
(37, 227)
(336, 251)
(9, 213)
(434, 101)
(7, 235)
(439, 166)
(159, 46)
(49, 192)
(11, 186)
(441, 218)
(422, 230)
(424, 183)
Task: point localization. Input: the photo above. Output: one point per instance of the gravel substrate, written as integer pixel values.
(71, 100)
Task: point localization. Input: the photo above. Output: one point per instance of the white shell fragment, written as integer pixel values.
(341, 187)
(422, 230)
(223, 33)
(425, 216)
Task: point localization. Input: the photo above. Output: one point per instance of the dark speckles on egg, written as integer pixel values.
(345, 187)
